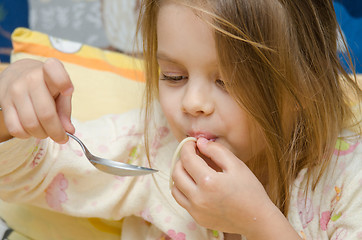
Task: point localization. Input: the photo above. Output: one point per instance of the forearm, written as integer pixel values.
(4, 133)
(41, 173)
(50, 175)
(272, 225)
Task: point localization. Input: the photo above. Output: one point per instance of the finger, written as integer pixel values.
(180, 198)
(57, 78)
(64, 109)
(28, 118)
(46, 113)
(193, 164)
(219, 154)
(183, 181)
(13, 124)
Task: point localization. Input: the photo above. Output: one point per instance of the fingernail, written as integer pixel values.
(68, 92)
(202, 141)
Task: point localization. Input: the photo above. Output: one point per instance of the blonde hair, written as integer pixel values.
(279, 59)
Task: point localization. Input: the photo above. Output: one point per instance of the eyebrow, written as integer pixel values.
(165, 57)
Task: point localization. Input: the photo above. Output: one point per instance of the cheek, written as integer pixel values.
(166, 102)
(245, 140)
(251, 143)
(170, 110)
(241, 140)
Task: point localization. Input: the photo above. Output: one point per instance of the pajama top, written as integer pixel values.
(51, 191)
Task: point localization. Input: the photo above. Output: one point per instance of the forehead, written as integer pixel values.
(180, 32)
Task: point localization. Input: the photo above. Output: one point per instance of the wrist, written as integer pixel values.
(271, 224)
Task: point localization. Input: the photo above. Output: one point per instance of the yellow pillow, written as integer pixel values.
(104, 81)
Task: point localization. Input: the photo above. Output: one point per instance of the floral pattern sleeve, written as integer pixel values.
(59, 178)
(334, 209)
(49, 175)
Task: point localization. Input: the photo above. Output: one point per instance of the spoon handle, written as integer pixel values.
(85, 150)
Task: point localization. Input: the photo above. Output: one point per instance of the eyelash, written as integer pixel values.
(219, 82)
(172, 78)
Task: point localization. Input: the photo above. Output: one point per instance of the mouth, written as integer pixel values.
(206, 135)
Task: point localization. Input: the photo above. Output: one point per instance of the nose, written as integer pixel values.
(197, 99)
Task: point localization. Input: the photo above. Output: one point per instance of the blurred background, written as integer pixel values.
(108, 24)
(111, 23)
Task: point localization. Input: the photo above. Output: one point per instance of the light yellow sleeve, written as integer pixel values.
(60, 178)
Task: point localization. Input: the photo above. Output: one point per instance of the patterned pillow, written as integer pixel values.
(105, 82)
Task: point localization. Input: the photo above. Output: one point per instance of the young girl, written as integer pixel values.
(256, 82)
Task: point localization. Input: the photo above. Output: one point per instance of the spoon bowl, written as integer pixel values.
(113, 167)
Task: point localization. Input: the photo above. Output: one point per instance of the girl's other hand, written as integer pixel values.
(36, 99)
(232, 200)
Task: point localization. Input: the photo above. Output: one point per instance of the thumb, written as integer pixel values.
(64, 109)
(218, 153)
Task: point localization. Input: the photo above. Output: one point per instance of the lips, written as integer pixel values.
(202, 134)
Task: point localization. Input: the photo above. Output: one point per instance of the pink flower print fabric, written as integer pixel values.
(156, 143)
(176, 236)
(306, 211)
(55, 193)
(324, 220)
(38, 153)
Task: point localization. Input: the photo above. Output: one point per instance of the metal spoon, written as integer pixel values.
(112, 167)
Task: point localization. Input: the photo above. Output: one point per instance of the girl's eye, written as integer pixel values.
(221, 83)
(172, 78)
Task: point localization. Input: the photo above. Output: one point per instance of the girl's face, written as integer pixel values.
(191, 88)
